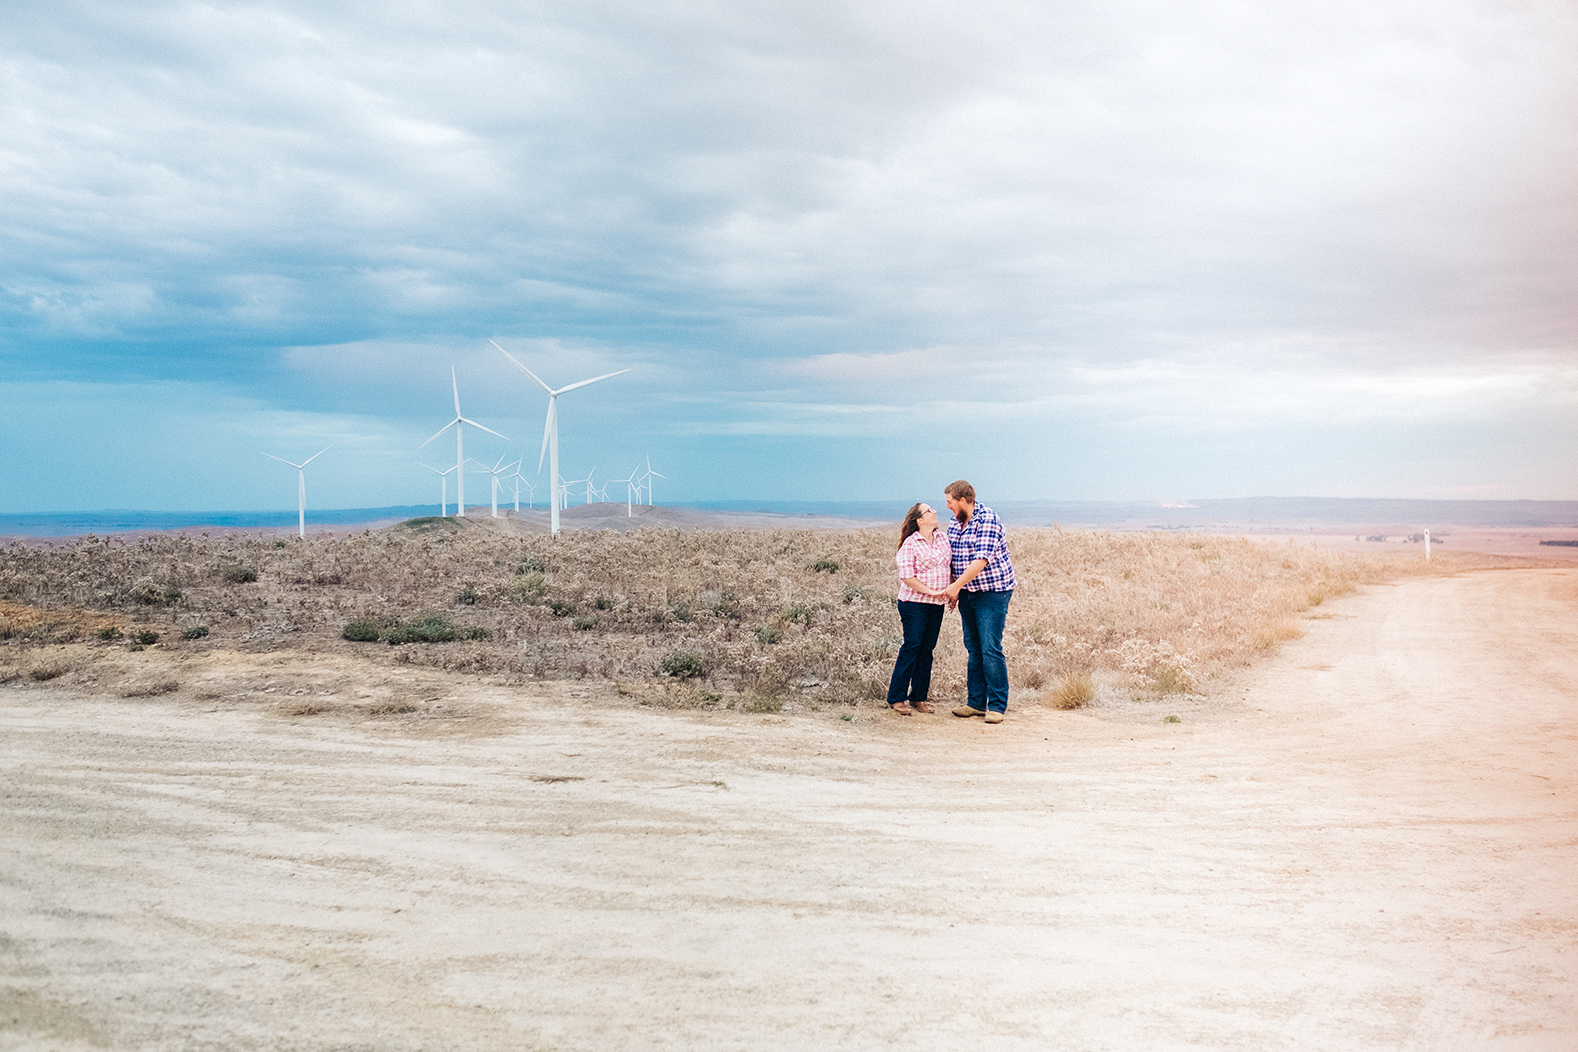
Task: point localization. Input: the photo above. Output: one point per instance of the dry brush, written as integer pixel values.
(756, 615)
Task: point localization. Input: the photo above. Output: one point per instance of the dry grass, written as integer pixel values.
(148, 687)
(49, 669)
(740, 619)
(1268, 637)
(1074, 691)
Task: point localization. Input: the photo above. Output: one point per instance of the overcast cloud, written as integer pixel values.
(1070, 250)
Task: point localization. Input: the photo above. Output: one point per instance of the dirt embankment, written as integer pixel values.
(1366, 843)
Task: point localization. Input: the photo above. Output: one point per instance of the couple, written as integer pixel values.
(965, 566)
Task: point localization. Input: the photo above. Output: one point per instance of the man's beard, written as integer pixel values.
(961, 516)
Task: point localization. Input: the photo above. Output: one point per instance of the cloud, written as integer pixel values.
(805, 220)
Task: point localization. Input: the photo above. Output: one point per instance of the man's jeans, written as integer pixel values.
(982, 615)
(912, 671)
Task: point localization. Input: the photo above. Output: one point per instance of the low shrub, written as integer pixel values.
(195, 632)
(237, 574)
(153, 595)
(361, 632)
(561, 607)
(825, 566)
(768, 635)
(467, 596)
(797, 613)
(584, 624)
(602, 602)
(108, 633)
(681, 664)
(433, 628)
(529, 590)
(147, 637)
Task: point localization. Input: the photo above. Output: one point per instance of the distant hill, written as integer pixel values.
(1260, 513)
(1295, 512)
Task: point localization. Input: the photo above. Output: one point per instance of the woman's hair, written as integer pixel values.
(911, 524)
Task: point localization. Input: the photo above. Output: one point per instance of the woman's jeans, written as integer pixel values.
(981, 619)
(912, 672)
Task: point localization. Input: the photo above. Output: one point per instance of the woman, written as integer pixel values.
(925, 569)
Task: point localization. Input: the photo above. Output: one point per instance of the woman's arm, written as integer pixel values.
(915, 584)
(971, 572)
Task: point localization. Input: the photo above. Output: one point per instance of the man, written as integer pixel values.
(983, 584)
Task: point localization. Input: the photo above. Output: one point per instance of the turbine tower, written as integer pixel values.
(550, 431)
(460, 448)
(301, 486)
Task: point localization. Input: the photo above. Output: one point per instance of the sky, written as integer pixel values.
(1115, 250)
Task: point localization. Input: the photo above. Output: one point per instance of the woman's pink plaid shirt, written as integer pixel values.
(931, 563)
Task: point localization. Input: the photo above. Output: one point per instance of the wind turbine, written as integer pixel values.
(587, 492)
(550, 431)
(631, 488)
(301, 486)
(648, 477)
(497, 471)
(531, 490)
(460, 449)
(443, 488)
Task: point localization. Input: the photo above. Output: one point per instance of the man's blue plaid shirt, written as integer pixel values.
(982, 538)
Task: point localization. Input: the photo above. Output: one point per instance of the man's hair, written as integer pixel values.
(960, 490)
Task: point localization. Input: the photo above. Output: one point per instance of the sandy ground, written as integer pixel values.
(1369, 841)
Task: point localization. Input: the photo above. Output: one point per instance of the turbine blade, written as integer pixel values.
(282, 460)
(657, 475)
(521, 367)
(441, 430)
(593, 380)
(547, 429)
(489, 430)
(316, 455)
(456, 385)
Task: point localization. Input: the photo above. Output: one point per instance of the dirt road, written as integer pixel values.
(1370, 841)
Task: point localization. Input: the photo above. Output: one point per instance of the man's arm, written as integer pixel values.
(970, 573)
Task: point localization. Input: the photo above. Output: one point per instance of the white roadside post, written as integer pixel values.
(1427, 546)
